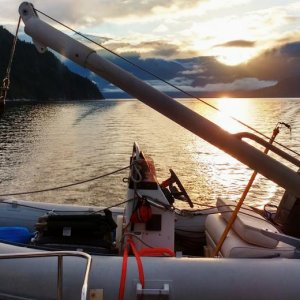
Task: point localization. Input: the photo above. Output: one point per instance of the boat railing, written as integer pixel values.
(60, 255)
(267, 145)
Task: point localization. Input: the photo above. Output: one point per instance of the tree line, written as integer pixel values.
(41, 77)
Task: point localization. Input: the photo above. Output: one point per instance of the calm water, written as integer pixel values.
(46, 145)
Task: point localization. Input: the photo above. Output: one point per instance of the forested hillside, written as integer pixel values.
(41, 76)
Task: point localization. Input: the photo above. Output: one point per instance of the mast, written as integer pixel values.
(45, 35)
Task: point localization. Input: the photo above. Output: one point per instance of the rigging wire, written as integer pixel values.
(163, 80)
(66, 185)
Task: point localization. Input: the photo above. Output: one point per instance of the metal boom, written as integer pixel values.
(45, 35)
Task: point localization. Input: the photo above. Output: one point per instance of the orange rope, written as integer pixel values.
(138, 254)
(240, 203)
(131, 244)
(138, 261)
(156, 252)
(123, 274)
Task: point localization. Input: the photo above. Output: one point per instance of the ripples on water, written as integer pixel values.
(45, 145)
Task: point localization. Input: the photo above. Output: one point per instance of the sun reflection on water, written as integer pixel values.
(227, 176)
(232, 108)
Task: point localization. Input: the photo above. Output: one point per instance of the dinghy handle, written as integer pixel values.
(152, 292)
(59, 255)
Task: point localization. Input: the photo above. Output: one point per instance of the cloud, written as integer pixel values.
(277, 63)
(206, 74)
(161, 28)
(179, 28)
(84, 13)
(245, 84)
(9, 11)
(236, 85)
(149, 49)
(158, 48)
(155, 32)
(194, 71)
(91, 39)
(237, 43)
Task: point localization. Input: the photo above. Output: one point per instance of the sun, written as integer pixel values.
(233, 56)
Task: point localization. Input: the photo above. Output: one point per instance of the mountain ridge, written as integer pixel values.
(269, 75)
(41, 77)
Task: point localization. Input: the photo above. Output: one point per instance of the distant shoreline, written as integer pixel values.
(31, 101)
(51, 100)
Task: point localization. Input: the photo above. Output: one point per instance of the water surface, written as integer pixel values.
(52, 144)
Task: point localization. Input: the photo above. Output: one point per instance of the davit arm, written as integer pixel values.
(45, 35)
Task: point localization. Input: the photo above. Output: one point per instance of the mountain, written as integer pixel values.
(287, 87)
(41, 76)
(275, 73)
(166, 70)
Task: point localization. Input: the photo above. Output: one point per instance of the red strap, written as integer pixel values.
(156, 252)
(124, 267)
(123, 274)
(138, 261)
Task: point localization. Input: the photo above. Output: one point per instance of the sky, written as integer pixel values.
(233, 31)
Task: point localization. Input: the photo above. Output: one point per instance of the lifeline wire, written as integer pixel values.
(163, 80)
(64, 186)
(66, 211)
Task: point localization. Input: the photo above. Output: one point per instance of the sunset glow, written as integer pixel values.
(193, 27)
(234, 56)
(200, 46)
